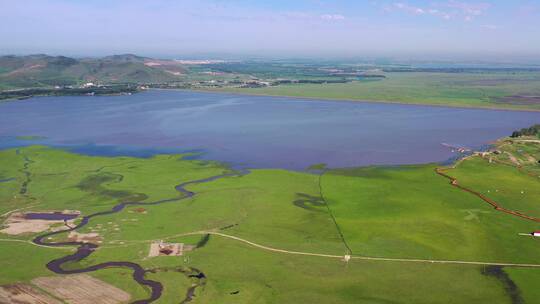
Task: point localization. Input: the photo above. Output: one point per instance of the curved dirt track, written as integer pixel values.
(358, 257)
(454, 182)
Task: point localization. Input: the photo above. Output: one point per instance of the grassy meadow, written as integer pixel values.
(395, 212)
(489, 86)
(483, 90)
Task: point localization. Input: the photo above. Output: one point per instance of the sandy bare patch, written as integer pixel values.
(92, 237)
(24, 294)
(512, 158)
(25, 69)
(140, 210)
(82, 289)
(175, 73)
(17, 223)
(530, 158)
(168, 249)
(198, 62)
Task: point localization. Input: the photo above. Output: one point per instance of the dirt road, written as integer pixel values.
(357, 257)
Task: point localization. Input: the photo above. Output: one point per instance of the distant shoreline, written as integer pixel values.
(54, 92)
(494, 108)
(23, 94)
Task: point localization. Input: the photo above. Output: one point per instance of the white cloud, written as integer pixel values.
(466, 10)
(490, 27)
(415, 10)
(409, 8)
(332, 17)
(446, 10)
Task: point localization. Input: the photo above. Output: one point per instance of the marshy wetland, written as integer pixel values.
(376, 222)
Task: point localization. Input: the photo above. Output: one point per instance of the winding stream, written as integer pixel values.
(86, 249)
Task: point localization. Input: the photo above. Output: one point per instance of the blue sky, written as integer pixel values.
(304, 28)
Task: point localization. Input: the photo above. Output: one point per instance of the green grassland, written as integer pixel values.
(464, 89)
(410, 212)
(487, 87)
(512, 188)
(405, 212)
(490, 86)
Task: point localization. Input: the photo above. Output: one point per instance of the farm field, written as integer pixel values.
(483, 86)
(376, 234)
(506, 90)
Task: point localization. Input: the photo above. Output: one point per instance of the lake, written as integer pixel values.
(254, 131)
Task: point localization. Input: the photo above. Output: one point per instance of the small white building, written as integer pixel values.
(536, 233)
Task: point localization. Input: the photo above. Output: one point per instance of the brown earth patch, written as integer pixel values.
(25, 69)
(168, 249)
(92, 237)
(24, 294)
(17, 224)
(168, 66)
(140, 210)
(82, 289)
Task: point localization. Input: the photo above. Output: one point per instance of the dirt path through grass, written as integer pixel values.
(358, 257)
(86, 249)
(454, 182)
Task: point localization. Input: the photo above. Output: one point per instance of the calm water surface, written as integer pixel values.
(254, 131)
(55, 216)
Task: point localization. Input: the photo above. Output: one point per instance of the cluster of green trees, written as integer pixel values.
(531, 131)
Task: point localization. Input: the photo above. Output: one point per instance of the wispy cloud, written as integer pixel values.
(416, 10)
(344, 27)
(491, 27)
(409, 8)
(452, 9)
(332, 17)
(468, 9)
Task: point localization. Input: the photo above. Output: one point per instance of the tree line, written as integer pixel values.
(531, 131)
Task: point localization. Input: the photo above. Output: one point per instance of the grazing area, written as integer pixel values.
(478, 86)
(199, 231)
(262, 152)
(466, 88)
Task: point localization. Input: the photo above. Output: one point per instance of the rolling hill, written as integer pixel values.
(39, 71)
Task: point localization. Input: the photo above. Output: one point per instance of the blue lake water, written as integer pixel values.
(55, 216)
(254, 131)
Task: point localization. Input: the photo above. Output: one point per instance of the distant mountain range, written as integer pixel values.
(39, 71)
